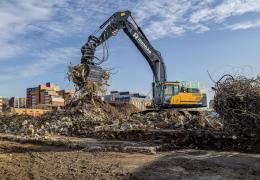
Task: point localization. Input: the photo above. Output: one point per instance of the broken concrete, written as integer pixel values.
(88, 116)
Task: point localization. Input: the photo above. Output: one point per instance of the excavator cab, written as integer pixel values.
(170, 89)
(180, 94)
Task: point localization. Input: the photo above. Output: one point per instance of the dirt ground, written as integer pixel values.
(28, 161)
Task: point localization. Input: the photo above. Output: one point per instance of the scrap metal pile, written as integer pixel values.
(237, 101)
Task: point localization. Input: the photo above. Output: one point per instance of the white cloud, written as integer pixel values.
(34, 24)
(244, 25)
(224, 10)
(175, 17)
(10, 50)
(28, 24)
(53, 20)
(162, 18)
(15, 17)
(44, 62)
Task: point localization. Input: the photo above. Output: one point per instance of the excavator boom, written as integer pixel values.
(124, 21)
(118, 21)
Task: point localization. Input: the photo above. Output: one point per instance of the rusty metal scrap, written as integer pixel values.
(237, 101)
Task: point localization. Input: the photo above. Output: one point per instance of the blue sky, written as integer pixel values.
(39, 39)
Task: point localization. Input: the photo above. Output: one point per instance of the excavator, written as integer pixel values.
(165, 94)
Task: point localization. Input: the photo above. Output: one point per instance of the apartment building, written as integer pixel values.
(32, 97)
(17, 102)
(47, 94)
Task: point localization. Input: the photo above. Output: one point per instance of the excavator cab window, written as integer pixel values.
(170, 90)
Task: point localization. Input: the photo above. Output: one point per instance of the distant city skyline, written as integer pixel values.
(39, 40)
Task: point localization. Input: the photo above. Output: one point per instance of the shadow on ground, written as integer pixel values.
(194, 164)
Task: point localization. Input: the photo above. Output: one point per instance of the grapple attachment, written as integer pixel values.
(91, 70)
(83, 73)
(94, 73)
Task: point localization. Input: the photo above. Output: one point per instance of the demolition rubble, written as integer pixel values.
(235, 126)
(237, 101)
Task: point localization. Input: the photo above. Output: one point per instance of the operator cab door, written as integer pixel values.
(169, 90)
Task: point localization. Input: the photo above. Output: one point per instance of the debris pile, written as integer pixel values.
(80, 116)
(173, 119)
(79, 120)
(86, 120)
(125, 108)
(237, 101)
(87, 115)
(17, 124)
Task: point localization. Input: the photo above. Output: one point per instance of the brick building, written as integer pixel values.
(47, 94)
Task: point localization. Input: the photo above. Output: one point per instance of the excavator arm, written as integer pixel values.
(118, 21)
(164, 93)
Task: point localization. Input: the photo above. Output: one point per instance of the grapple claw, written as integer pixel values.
(94, 73)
